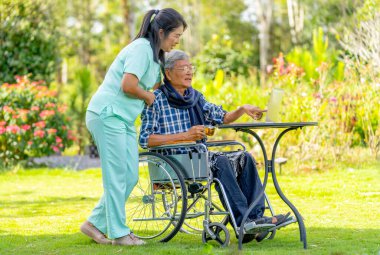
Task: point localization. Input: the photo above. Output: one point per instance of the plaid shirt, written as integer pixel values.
(162, 119)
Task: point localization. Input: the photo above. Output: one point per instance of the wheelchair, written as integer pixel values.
(176, 193)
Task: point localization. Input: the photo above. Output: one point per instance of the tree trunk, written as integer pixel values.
(264, 11)
(192, 39)
(296, 19)
(129, 19)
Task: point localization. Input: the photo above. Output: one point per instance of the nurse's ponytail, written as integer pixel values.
(167, 19)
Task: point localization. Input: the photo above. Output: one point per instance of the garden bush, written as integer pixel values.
(219, 53)
(32, 123)
(29, 40)
(311, 59)
(347, 111)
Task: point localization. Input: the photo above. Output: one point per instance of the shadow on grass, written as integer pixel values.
(49, 200)
(336, 241)
(31, 208)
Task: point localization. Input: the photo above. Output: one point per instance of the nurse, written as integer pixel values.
(110, 119)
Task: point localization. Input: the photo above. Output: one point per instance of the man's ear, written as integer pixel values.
(167, 74)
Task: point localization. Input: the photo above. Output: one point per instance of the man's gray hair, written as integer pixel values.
(173, 56)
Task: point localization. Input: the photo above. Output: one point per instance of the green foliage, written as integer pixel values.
(369, 10)
(310, 61)
(361, 41)
(345, 118)
(333, 16)
(32, 123)
(28, 40)
(77, 95)
(219, 53)
(94, 33)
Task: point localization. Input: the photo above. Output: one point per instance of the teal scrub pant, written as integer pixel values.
(117, 146)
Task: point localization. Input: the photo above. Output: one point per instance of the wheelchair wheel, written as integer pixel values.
(157, 205)
(222, 235)
(195, 214)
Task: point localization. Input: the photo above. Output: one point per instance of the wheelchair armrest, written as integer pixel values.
(174, 145)
(224, 143)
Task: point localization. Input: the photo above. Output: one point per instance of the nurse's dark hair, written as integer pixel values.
(167, 19)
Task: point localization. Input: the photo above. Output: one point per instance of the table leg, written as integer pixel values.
(270, 167)
(254, 203)
(301, 224)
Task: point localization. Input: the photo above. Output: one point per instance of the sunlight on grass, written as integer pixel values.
(41, 210)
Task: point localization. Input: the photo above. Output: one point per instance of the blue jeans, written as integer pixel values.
(240, 191)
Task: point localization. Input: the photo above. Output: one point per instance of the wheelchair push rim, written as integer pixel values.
(156, 206)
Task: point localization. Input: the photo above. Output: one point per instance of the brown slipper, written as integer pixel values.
(130, 239)
(91, 231)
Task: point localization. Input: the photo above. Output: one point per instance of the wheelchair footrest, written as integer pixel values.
(286, 223)
(253, 228)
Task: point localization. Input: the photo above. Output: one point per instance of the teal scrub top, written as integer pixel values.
(136, 58)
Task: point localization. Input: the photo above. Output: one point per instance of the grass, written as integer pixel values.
(41, 210)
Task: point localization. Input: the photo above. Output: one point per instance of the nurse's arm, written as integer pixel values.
(156, 85)
(130, 86)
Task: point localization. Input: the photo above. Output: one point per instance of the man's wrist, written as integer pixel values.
(242, 108)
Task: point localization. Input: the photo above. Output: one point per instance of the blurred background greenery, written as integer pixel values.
(325, 54)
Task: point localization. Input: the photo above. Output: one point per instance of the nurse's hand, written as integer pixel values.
(149, 98)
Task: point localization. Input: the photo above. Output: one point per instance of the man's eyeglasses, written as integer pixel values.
(186, 69)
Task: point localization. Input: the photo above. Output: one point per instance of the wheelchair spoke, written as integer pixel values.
(153, 204)
(219, 240)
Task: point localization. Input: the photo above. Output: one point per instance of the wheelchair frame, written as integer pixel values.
(165, 209)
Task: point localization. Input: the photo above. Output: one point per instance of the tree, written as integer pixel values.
(363, 40)
(28, 40)
(296, 19)
(129, 10)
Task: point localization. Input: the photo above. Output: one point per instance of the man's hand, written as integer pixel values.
(196, 133)
(255, 112)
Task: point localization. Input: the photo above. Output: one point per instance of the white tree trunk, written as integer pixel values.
(296, 19)
(264, 12)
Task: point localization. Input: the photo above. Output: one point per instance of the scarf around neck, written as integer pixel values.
(190, 101)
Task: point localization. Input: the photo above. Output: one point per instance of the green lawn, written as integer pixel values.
(41, 210)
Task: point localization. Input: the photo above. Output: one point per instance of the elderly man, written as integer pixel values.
(179, 113)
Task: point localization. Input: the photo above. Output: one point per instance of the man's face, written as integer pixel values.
(181, 75)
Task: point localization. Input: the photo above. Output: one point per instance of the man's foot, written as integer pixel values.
(256, 226)
(130, 239)
(91, 231)
(276, 219)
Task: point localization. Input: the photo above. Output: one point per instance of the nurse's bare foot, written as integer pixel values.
(130, 239)
(91, 231)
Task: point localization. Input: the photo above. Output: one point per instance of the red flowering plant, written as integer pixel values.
(32, 123)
